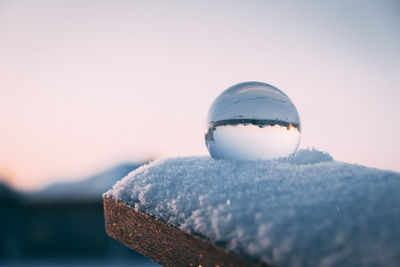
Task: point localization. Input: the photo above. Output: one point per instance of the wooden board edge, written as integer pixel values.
(162, 243)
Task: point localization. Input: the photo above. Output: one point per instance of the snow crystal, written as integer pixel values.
(305, 210)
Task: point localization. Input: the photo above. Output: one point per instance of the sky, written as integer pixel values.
(85, 85)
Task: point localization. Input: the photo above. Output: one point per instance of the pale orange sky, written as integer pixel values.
(85, 85)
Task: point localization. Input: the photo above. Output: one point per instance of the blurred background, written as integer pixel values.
(90, 90)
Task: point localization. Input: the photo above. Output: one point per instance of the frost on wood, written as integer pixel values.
(306, 210)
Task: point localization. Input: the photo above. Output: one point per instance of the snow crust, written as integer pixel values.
(305, 210)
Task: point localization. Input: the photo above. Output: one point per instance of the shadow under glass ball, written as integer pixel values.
(252, 121)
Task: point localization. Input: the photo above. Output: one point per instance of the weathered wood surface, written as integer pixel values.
(162, 243)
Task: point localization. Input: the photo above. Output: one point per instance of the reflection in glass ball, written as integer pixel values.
(252, 121)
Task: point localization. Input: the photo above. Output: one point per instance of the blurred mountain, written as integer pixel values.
(6, 193)
(9, 199)
(62, 222)
(90, 188)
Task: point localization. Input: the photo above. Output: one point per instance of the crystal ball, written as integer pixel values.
(252, 121)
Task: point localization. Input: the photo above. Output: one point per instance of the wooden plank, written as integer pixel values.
(162, 243)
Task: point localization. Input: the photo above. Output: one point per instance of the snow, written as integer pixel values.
(305, 210)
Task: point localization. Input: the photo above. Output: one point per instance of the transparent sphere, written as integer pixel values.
(252, 121)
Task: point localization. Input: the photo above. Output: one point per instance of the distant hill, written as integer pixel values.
(5, 190)
(62, 223)
(90, 188)
(7, 195)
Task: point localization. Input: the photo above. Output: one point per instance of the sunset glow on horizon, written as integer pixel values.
(86, 86)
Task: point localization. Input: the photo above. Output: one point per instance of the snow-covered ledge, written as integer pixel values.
(306, 210)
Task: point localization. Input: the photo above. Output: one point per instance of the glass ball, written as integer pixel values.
(252, 121)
